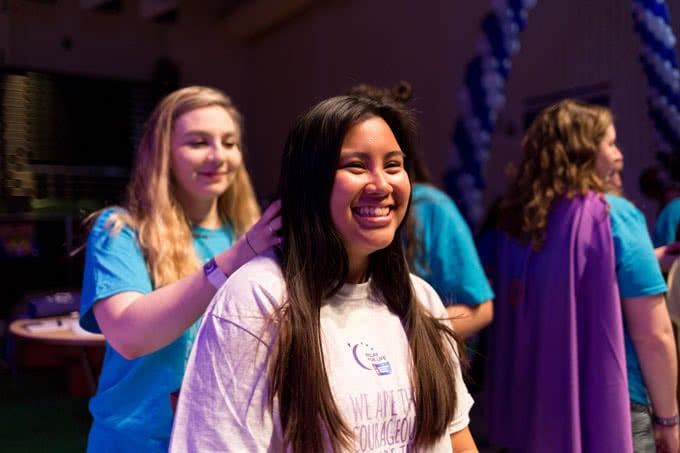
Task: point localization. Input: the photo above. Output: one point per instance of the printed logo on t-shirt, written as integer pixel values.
(369, 359)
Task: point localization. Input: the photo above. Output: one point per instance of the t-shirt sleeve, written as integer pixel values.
(455, 270)
(431, 300)
(667, 223)
(637, 268)
(113, 264)
(461, 418)
(223, 402)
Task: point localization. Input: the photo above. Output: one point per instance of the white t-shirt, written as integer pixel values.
(223, 402)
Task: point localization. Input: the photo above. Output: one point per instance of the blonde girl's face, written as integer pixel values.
(609, 159)
(206, 153)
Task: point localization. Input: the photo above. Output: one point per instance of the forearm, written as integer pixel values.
(659, 367)
(650, 329)
(136, 324)
(666, 255)
(462, 442)
(467, 320)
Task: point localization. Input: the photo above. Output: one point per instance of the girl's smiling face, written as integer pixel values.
(206, 153)
(370, 194)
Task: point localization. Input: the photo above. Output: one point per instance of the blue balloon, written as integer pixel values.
(481, 85)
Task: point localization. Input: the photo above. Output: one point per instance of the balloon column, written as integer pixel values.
(660, 65)
(480, 99)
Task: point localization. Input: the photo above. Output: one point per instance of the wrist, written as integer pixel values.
(214, 274)
(666, 422)
(250, 245)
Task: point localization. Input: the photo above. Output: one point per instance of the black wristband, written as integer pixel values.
(665, 421)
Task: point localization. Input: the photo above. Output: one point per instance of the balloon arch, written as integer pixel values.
(482, 95)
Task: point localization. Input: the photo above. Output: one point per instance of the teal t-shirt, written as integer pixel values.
(448, 258)
(131, 409)
(666, 223)
(637, 272)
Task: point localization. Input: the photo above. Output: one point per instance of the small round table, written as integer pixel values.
(61, 330)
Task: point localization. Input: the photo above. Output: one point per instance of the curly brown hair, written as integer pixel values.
(560, 149)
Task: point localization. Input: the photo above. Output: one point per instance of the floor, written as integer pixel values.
(40, 412)
(37, 413)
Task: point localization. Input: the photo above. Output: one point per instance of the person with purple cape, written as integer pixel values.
(581, 355)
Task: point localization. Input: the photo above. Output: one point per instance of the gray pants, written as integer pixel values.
(643, 430)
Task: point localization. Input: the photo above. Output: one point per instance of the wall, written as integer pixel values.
(338, 43)
(111, 44)
(204, 53)
(566, 45)
(344, 43)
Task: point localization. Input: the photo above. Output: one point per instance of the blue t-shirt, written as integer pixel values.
(637, 272)
(666, 223)
(448, 258)
(131, 410)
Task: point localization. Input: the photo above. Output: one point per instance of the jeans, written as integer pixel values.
(643, 430)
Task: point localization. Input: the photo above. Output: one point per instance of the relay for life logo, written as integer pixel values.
(368, 358)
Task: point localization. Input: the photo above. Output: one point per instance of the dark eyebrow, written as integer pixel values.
(364, 155)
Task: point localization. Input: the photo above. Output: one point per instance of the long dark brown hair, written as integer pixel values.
(400, 94)
(315, 265)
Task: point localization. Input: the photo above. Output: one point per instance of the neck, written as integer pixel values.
(358, 270)
(204, 214)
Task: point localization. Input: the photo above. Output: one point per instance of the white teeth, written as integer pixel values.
(366, 211)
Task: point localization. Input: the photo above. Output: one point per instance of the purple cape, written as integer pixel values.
(556, 370)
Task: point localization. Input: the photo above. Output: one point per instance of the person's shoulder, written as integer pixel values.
(671, 209)
(109, 224)
(428, 296)
(620, 204)
(255, 289)
(263, 267)
(106, 217)
(420, 284)
(595, 199)
(626, 219)
(594, 204)
(426, 192)
(622, 209)
(430, 201)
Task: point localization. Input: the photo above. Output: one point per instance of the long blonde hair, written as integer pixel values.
(560, 149)
(152, 209)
